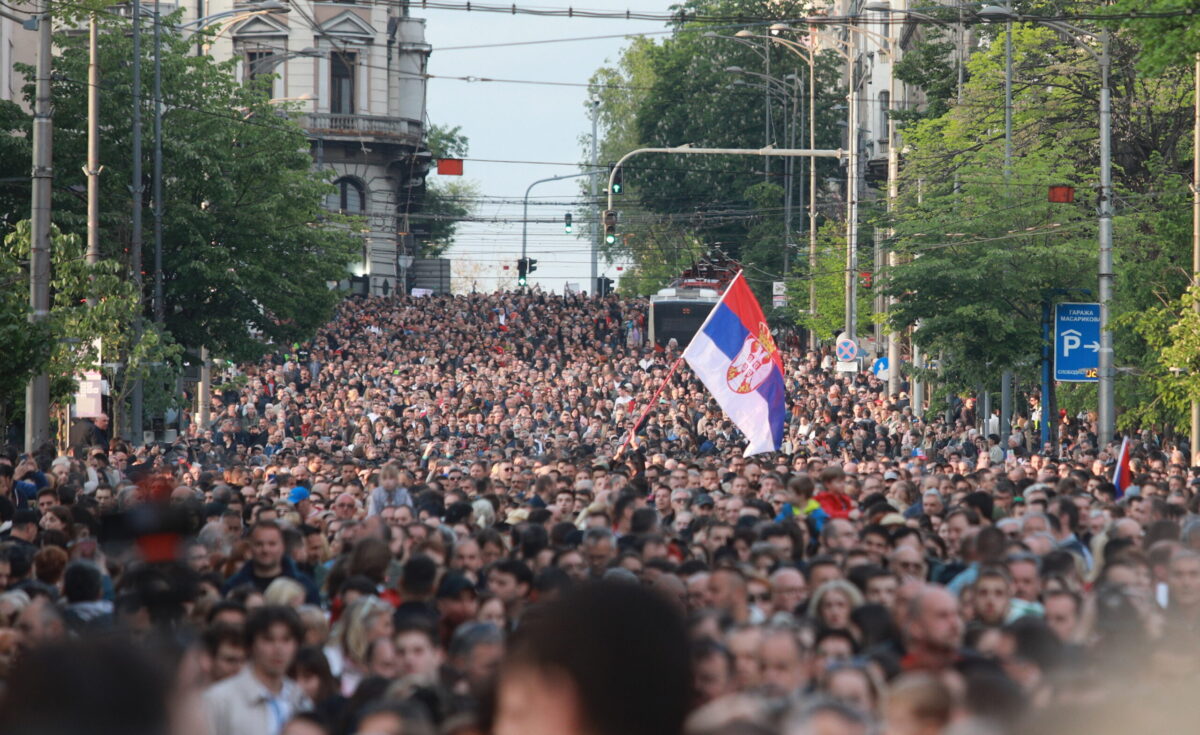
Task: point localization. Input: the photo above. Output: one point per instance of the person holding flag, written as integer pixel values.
(735, 357)
(1123, 472)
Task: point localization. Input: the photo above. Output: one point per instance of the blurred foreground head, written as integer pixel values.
(607, 658)
(105, 686)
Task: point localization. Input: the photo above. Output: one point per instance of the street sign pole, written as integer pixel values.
(1047, 384)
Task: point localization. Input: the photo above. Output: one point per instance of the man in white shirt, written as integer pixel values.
(260, 699)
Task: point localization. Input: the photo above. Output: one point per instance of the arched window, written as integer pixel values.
(348, 197)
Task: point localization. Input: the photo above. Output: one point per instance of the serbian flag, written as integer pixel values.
(735, 357)
(1123, 473)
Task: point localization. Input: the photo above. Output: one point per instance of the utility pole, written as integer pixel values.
(205, 390)
(893, 174)
(767, 109)
(92, 171)
(135, 240)
(1196, 239)
(37, 396)
(1006, 377)
(158, 173)
(813, 341)
(789, 129)
(1106, 403)
(599, 233)
(852, 190)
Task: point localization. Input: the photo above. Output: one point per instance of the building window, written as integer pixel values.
(259, 66)
(348, 198)
(341, 83)
(885, 101)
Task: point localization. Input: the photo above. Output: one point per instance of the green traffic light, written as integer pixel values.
(610, 239)
(521, 281)
(569, 229)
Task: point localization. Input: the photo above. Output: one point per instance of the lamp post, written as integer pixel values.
(784, 89)
(885, 45)
(807, 53)
(1106, 407)
(743, 37)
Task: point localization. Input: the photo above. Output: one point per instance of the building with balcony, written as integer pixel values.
(357, 70)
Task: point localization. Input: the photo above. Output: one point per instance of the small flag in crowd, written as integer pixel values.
(735, 357)
(1123, 473)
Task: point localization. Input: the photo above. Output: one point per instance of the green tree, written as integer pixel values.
(447, 201)
(675, 91)
(980, 250)
(248, 250)
(90, 323)
(27, 347)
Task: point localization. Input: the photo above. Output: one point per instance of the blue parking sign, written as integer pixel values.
(1077, 343)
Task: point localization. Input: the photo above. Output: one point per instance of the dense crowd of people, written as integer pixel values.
(478, 514)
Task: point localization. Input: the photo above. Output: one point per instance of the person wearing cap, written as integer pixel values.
(301, 499)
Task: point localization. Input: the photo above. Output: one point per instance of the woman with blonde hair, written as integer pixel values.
(284, 591)
(833, 602)
(365, 620)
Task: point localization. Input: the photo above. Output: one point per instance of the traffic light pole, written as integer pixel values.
(525, 218)
(766, 152)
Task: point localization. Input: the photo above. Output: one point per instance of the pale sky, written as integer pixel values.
(522, 122)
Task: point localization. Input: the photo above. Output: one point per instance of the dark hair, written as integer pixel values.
(518, 569)
(982, 503)
(261, 619)
(625, 649)
(533, 540)
(876, 625)
(82, 582)
(312, 660)
(416, 624)
(420, 573)
(222, 634)
(1036, 643)
(221, 606)
(268, 525)
(643, 521)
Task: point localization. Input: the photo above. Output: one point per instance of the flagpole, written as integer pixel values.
(650, 405)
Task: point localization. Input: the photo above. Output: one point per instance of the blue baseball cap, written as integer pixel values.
(298, 494)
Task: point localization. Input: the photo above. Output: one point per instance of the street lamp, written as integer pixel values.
(851, 279)
(1106, 407)
(743, 36)
(787, 91)
(808, 55)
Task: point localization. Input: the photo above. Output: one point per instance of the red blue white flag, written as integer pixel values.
(1123, 473)
(735, 357)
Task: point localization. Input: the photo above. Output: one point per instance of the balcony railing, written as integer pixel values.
(375, 126)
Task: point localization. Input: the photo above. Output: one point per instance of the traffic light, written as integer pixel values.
(568, 225)
(604, 285)
(530, 265)
(522, 271)
(614, 175)
(610, 226)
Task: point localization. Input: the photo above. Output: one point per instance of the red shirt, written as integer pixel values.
(836, 505)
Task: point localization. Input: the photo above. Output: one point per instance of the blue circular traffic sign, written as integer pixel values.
(846, 349)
